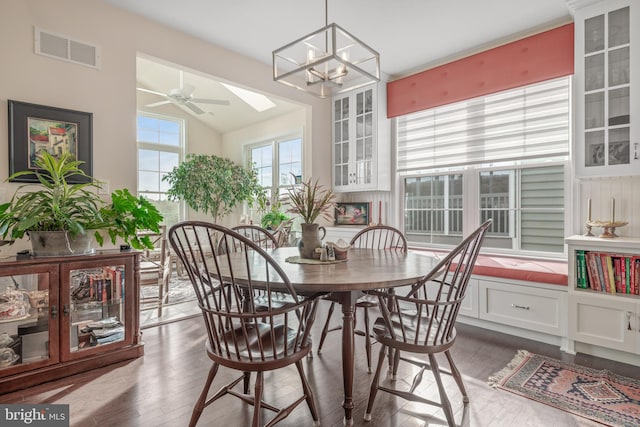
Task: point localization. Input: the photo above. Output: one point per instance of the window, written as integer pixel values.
(276, 163)
(160, 146)
(501, 156)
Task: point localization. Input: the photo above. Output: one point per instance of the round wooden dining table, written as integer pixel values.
(365, 269)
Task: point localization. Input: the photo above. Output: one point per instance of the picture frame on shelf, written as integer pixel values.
(352, 213)
(34, 128)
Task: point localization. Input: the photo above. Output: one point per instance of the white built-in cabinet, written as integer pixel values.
(361, 140)
(607, 87)
(604, 318)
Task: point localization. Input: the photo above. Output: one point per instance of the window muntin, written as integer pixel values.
(160, 145)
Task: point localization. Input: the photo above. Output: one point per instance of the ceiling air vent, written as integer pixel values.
(61, 47)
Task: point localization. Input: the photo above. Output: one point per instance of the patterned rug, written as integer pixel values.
(180, 290)
(601, 396)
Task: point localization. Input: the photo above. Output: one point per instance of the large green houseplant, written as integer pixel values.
(214, 185)
(75, 209)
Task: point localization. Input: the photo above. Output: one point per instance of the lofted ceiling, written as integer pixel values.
(410, 35)
(162, 77)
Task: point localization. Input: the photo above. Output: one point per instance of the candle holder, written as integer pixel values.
(588, 232)
(608, 228)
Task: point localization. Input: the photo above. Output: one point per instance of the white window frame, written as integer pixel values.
(180, 150)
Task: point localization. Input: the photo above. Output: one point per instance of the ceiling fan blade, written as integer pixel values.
(193, 107)
(210, 101)
(155, 104)
(141, 89)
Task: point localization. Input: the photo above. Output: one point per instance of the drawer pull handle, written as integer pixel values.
(522, 307)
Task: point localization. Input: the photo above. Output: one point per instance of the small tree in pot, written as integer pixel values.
(214, 185)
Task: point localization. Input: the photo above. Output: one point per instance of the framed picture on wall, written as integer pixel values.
(352, 213)
(36, 128)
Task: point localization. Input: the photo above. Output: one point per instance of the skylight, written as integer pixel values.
(257, 101)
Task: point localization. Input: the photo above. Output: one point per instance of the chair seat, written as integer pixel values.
(254, 340)
(411, 331)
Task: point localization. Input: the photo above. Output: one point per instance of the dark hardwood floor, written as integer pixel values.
(160, 388)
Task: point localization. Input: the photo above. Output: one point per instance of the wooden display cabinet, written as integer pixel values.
(63, 315)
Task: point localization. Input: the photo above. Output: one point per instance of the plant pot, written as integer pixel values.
(59, 243)
(310, 240)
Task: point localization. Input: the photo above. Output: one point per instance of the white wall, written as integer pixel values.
(110, 92)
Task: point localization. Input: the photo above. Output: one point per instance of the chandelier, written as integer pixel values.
(326, 62)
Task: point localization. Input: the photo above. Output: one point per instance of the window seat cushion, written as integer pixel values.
(528, 270)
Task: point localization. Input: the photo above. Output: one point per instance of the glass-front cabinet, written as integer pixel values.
(95, 314)
(361, 142)
(28, 318)
(64, 315)
(607, 140)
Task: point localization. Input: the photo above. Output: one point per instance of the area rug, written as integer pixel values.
(180, 290)
(600, 396)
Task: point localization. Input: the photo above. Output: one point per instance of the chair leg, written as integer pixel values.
(325, 328)
(456, 376)
(444, 400)
(201, 402)
(308, 394)
(374, 383)
(245, 382)
(367, 338)
(257, 400)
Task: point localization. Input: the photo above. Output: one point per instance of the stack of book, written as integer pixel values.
(608, 272)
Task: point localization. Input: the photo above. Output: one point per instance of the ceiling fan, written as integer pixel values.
(183, 95)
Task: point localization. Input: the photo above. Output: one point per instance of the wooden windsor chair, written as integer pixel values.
(239, 335)
(422, 323)
(373, 237)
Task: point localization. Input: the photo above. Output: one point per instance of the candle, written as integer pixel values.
(589, 210)
(380, 212)
(613, 209)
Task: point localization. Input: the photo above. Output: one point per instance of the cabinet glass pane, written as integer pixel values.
(24, 319)
(619, 66)
(594, 34)
(337, 131)
(619, 106)
(345, 108)
(345, 153)
(96, 306)
(619, 147)
(359, 127)
(337, 107)
(594, 110)
(345, 175)
(359, 104)
(368, 148)
(359, 150)
(368, 124)
(337, 173)
(619, 27)
(337, 153)
(594, 148)
(594, 72)
(368, 101)
(345, 130)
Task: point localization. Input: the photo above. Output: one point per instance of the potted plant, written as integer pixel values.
(67, 213)
(214, 185)
(274, 217)
(310, 201)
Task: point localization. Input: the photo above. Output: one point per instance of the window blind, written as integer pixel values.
(524, 123)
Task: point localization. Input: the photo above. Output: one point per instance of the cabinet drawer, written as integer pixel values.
(525, 307)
